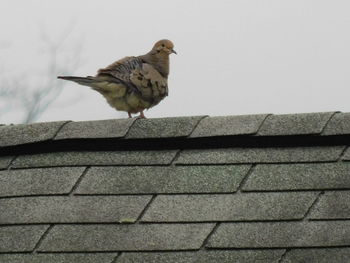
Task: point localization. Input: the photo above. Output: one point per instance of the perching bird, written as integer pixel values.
(133, 84)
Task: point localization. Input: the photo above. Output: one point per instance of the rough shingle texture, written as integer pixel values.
(256, 188)
(47, 181)
(260, 155)
(95, 129)
(126, 237)
(295, 124)
(22, 134)
(236, 207)
(5, 161)
(163, 128)
(168, 179)
(314, 176)
(20, 238)
(228, 125)
(95, 158)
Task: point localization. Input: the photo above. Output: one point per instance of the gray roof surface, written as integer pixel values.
(255, 188)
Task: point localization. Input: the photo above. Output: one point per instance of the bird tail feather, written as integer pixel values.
(88, 81)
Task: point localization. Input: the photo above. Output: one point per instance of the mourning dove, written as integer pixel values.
(133, 84)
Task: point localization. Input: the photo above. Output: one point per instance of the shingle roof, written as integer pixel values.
(256, 188)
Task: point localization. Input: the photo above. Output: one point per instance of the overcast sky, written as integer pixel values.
(234, 57)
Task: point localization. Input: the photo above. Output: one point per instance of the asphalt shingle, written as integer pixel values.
(232, 207)
(242, 256)
(313, 176)
(228, 125)
(62, 209)
(58, 258)
(30, 133)
(5, 161)
(338, 125)
(323, 255)
(126, 237)
(332, 205)
(39, 181)
(295, 124)
(95, 129)
(346, 156)
(163, 127)
(20, 238)
(160, 179)
(95, 158)
(281, 235)
(260, 155)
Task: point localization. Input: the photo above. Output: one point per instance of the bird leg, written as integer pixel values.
(129, 114)
(142, 116)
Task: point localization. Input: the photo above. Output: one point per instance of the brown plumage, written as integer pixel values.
(133, 84)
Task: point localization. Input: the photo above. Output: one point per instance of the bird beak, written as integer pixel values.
(173, 51)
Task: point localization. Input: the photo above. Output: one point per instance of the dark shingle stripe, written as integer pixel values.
(323, 255)
(163, 127)
(242, 256)
(95, 158)
(20, 238)
(38, 181)
(332, 205)
(95, 129)
(314, 176)
(29, 133)
(150, 180)
(338, 125)
(281, 234)
(260, 155)
(228, 125)
(231, 207)
(82, 209)
(58, 258)
(125, 237)
(295, 124)
(5, 161)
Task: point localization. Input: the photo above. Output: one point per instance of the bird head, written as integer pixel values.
(164, 47)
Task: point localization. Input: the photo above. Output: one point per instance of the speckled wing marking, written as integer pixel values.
(152, 85)
(140, 77)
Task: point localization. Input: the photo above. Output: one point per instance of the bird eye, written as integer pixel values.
(163, 45)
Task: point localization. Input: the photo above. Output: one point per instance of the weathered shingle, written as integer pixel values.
(39, 181)
(5, 161)
(346, 156)
(95, 158)
(58, 258)
(20, 238)
(160, 179)
(228, 125)
(313, 176)
(295, 124)
(281, 235)
(95, 129)
(260, 155)
(338, 125)
(332, 205)
(126, 237)
(61, 209)
(22, 134)
(232, 207)
(163, 127)
(320, 255)
(241, 256)
(242, 189)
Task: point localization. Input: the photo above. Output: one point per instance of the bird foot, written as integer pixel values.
(142, 116)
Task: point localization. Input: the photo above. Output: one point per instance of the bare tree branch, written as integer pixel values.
(35, 97)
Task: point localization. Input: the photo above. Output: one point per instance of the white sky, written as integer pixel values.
(234, 57)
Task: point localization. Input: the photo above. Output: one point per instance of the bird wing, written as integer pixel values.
(140, 77)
